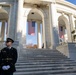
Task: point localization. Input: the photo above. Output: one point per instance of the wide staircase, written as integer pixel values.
(44, 62)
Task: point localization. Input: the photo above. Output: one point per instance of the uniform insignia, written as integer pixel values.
(4, 51)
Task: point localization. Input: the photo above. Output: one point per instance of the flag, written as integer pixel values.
(31, 27)
(61, 32)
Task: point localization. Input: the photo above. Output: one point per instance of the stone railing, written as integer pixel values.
(68, 50)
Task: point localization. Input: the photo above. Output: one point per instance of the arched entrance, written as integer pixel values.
(35, 28)
(3, 24)
(63, 32)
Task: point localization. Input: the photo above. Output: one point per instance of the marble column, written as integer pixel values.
(69, 34)
(43, 28)
(2, 31)
(69, 27)
(24, 30)
(71, 21)
(20, 22)
(42, 36)
(64, 34)
(12, 20)
(39, 35)
(53, 25)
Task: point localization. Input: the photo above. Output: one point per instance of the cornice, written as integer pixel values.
(66, 3)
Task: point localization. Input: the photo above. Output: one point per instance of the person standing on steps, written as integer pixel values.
(43, 45)
(8, 58)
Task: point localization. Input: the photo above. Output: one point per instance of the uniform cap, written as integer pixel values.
(9, 40)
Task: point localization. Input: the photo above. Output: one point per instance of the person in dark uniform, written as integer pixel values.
(8, 58)
(43, 45)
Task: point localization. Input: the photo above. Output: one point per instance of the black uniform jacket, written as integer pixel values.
(8, 57)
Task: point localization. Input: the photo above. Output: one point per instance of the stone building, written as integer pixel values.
(58, 20)
(57, 17)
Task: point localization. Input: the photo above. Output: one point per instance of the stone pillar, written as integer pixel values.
(24, 30)
(53, 25)
(42, 34)
(19, 20)
(3, 31)
(71, 27)
(42, 37)
(71, 21)
(12, 20)
(69, 34)
(43, 28)
(39, 35)
(21, 24)
(63, 34)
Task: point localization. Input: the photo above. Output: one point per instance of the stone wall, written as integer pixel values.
(68, 50)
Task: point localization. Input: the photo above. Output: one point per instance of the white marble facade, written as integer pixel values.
(52, 14)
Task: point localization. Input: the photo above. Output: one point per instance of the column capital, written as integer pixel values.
(20, 0)
(50, 3)
(63, 13)
(71, 17)
(38, 22)
(3, 20)
(70, 14)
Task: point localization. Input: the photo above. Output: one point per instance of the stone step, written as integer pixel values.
(44, 68)
(44, 62)
(47, 72)
(53, 55)
(45, 58)
(32, 58)
(49, 56)
(51, 60)
(50, 74)
(47, 65)
(42, 53)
